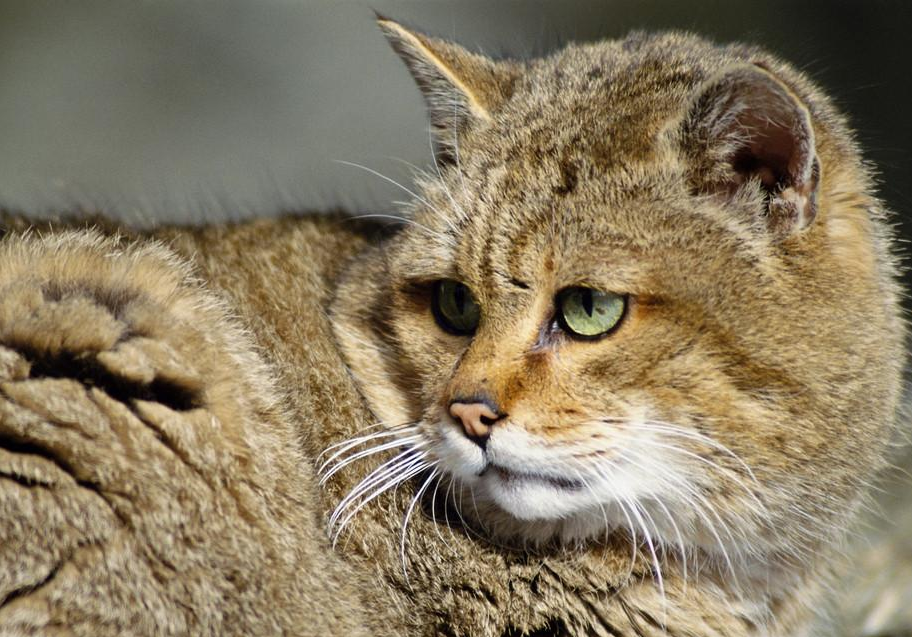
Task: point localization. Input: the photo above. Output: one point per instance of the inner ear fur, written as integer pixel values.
(459, 87)
(747, 127)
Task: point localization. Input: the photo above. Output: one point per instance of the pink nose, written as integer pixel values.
(476, 418)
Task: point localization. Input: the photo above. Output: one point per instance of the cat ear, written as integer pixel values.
(747, 126)
(459, 87)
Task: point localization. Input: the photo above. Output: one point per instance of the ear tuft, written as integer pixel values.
(459, 87)
(746, 126)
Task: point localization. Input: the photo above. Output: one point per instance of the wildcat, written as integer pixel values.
(634, 358)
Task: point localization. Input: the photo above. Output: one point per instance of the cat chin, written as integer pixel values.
(535, 516)
(532, 498)
(511, 519)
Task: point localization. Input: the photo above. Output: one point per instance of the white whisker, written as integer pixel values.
(408, 470)
(340, 448)
(456, 148)
(451, 489)
(347, 460)
(635, 509)
(439, 474)
(682, 550)
(367, 428)
(385, 178)
(715, 465)
(408, 513)
(656, 425)
(378, 474)
(447, 240)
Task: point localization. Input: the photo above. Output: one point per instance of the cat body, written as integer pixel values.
(690, 466)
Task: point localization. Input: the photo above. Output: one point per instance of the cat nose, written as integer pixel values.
(477, 418)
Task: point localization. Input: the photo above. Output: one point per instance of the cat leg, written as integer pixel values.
(150, 482)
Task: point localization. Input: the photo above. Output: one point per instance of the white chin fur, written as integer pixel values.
(533, 499)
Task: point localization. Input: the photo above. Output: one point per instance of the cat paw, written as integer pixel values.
(149, 482)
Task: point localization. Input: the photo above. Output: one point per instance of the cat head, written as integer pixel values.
(643, 288)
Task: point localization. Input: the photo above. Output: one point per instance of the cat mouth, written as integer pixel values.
(511, 477)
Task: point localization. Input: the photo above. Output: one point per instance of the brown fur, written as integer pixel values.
(158, 458)
(151, 481)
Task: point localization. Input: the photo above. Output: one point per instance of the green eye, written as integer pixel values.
(588, 313)
(454, 307)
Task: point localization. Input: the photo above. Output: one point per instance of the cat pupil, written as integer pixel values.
(460, 298)
(587, 301)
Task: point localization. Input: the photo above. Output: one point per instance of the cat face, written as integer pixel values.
(645, 414)
(641, 290)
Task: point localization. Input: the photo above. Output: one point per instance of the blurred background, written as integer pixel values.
(191, 110)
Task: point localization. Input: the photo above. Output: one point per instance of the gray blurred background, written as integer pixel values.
(186, 110)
